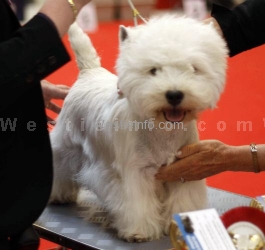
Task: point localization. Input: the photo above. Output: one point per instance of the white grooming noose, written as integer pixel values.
(135, 13)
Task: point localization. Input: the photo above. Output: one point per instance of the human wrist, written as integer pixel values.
(240, 159)
(79, 4)
(254, 153)
(76, 6)
(61, 13)
(258, 160)
(73, 7)
(62, 19)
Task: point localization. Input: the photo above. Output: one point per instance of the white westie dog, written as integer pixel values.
(169, 70)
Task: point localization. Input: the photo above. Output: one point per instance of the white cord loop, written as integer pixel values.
(136, 14)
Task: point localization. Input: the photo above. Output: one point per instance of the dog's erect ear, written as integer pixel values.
(123, 34)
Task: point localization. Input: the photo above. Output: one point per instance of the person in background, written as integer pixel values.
(243, 29)
(28, 54)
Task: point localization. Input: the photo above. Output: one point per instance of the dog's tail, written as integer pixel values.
(86, 55)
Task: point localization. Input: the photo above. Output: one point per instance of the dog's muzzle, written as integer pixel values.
(174, 114)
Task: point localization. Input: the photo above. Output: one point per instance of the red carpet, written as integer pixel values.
(243, 100)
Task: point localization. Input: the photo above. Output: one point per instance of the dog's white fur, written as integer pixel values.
(119, 164)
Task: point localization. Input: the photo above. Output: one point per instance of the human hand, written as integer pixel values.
(197, 161)
(51, 91)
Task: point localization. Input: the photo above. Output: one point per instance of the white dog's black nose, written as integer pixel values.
(174, 97)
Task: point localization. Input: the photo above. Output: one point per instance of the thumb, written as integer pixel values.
(188, 150)
(61, 86)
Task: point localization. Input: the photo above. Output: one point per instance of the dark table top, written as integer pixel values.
(85, 225)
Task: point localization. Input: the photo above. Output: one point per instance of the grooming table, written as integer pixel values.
(85, 225)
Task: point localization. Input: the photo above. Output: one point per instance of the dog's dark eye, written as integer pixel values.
(153, 71)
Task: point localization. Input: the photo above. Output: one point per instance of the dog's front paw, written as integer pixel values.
(58, 201)
(166, 227)
(135, 238)
(63, 198)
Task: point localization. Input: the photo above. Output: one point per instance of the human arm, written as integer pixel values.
(242, 27)
(210, 157)
(61, 13)
(33, 51)
(27, 55)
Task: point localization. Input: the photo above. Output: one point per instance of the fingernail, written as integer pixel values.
(179, 153)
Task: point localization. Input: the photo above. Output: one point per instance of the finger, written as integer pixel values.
(167, 178)
(58, 93)
(168, 171)
(61, 86)
(45, 82)
(188, 150)
(54, 107)
(171, 177)
(51, 123)
(49, 119)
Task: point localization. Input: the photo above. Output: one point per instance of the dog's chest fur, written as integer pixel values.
(159, 147)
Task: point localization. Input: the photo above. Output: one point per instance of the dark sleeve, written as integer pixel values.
(33, 52)
(244, 26)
